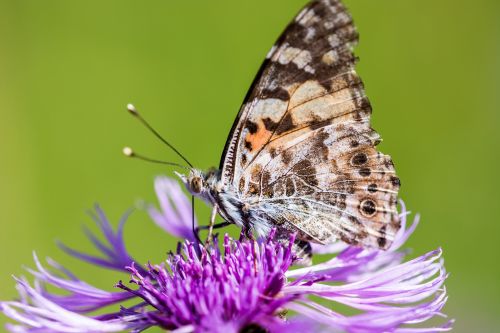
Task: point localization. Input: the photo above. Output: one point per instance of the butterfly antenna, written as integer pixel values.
(127, 151)
(136, 114)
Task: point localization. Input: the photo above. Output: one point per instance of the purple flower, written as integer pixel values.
(243, 286)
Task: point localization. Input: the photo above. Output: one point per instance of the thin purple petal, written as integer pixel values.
(175, 216)
(36, 313)
(82, 297)
(114, 254)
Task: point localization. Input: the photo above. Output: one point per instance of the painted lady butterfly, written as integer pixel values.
(301, 154)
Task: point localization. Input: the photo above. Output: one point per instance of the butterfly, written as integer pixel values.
(301, 156)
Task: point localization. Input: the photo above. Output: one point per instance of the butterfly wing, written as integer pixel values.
(301, 152)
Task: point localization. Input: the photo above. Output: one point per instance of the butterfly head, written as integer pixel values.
(199, 183)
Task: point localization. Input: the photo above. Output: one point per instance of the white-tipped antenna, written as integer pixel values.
(133, 111)
(131, 108)
(129, 152)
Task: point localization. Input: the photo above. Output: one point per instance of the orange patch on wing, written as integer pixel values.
(260, 138)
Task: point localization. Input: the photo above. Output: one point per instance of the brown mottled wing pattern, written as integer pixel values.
(302, 152)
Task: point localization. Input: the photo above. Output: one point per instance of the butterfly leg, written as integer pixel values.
(300, 248)
(215, 226)
(303, 251)
(211, 225)
(249, 235)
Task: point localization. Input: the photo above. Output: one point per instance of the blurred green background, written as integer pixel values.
(68, 68)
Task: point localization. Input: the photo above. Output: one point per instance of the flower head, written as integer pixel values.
(234, 289)
(243, 286)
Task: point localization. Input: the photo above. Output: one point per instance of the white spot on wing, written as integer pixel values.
(311, 32)
(301, 15)
(303, 59)
(329, 25)
(330, 57)
(309, 69)
(342, 18)
(334, 40)
(271, 52)
(311, 101)
(307, 91)
(288, 54)
(271, 108)
(333, 9)
(305, 16)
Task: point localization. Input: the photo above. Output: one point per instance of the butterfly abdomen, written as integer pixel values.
(242, 213)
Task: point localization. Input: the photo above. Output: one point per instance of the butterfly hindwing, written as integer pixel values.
(302, 152)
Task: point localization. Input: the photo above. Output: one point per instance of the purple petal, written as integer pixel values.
(175, 216)
(82, 297)
(43, 315)
(389, 298)
(115, 255)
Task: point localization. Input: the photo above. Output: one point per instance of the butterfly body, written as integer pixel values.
(245, 212)
(301, 155)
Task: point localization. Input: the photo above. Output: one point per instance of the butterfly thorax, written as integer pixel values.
(233, 208)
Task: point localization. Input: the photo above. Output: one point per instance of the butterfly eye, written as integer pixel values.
(196, 184)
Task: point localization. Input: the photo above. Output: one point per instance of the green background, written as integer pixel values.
(68, 68)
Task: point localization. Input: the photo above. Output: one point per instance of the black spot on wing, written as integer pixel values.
(290, 187)
(248, 145)
(286, 157)
(388, 163)
(319, 144)
(269, 124)
(277, 93)
(372, 188)
(365, 172)
(251, 126)
(318, 124)
(368, 208)
(273, 152)
(382, 240)
(305, 170)
(359, 159)
(395, 182)
(286, 124)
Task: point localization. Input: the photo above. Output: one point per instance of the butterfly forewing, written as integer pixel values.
(302, 152)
